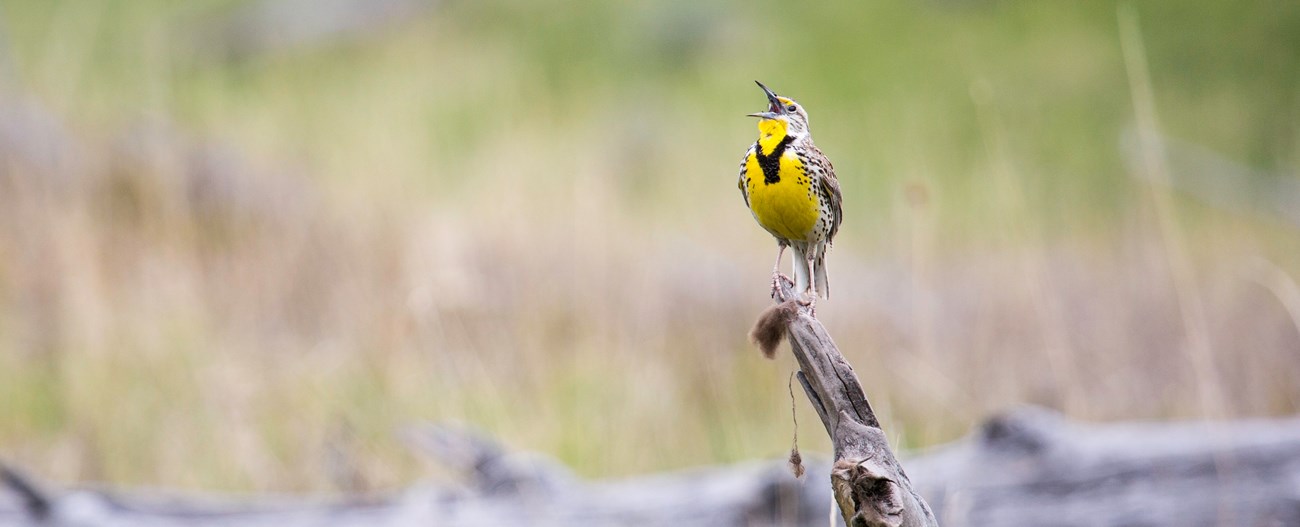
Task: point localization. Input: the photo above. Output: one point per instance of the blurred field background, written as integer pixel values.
(236, 255)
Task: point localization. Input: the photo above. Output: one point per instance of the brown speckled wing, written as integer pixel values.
(830, 187)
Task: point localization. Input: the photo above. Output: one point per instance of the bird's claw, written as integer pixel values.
(776, 284)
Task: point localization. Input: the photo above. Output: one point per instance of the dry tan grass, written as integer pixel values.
(250, 276)
(175, 319)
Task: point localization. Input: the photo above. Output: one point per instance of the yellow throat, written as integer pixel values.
(771, 132)
(779, 193)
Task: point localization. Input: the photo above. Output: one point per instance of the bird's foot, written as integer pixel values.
(777, 277)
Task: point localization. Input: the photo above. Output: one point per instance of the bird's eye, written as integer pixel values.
(790, 108)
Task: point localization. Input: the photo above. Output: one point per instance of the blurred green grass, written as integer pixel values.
(523, 216)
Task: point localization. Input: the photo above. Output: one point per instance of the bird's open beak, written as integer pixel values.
(774, 109)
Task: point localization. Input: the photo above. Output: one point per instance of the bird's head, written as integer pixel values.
(783, 116)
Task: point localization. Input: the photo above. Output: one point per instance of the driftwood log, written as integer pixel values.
(1032, 467)
(498, 488)
(869, 484)
(1028, 467)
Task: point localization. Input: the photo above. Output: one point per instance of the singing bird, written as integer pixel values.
(790, 187)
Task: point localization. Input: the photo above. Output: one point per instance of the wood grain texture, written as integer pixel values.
(868, 483)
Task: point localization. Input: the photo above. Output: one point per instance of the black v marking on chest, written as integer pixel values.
(771, 163)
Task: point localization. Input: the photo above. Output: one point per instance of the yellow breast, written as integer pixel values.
(785, 208)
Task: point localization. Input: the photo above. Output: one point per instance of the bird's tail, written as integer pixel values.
(802, 280)
(819, 272)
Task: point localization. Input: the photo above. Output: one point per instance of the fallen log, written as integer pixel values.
(498, 488)
(1032, 467)
(1027, 467)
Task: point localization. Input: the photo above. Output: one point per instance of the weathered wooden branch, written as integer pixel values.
(869, 484)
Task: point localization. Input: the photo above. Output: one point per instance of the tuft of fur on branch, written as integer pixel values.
(770, 328)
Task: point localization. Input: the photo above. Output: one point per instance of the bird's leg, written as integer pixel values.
(776, 269)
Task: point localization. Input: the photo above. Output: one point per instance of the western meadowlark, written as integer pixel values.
(790, 187)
